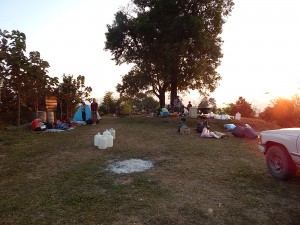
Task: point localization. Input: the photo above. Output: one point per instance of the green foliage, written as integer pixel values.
(243, 107)
(174, 45)
(40, 84)
(284, 112)
(125, 108)
(70, 93)
(14, 68)
(109, 104)
(224, 110)
(142, 101)
(20, 74)
(208, 103)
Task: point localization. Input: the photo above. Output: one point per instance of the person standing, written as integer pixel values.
(94, 109)
(189, 105)
(83, 111)
(177, 104)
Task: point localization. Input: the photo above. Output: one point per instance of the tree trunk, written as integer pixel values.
(173, 92)
(61, 108)
(1, 83)
(19, 110)
(162, 100)
(68, 113)
(36, 107)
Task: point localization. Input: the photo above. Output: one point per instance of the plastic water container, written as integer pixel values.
(193, 112)
(102, 144)
(109, 138)
(112, 132)
(106, 132)
(237, 116)
(96, 139)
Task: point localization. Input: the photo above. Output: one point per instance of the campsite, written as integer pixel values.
(62, 178)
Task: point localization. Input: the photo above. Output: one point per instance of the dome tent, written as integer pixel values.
(78, 115)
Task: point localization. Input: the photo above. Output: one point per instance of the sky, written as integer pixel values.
(261, 50)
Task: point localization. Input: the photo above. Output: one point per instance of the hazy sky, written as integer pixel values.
(261, 45)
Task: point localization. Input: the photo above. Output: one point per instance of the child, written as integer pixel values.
(182, 124)
(182, 127)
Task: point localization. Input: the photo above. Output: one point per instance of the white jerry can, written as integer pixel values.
(109, 138)
(193, 112)
(112, 132)
(237, 116)
(102, 144)
(96, 139)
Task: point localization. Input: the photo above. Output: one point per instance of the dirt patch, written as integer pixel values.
(130, 166)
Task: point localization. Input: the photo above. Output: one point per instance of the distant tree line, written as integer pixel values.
(284, 112)
(125, 105)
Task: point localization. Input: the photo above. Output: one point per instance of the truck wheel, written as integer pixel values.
(279, 163)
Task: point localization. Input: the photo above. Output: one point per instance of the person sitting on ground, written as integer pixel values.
(182, 124)
(184, 111)
(208, 134)
(37, 125)
(64, 119)
(61, 125)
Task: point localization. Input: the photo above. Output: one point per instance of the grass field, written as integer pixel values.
(61, 178)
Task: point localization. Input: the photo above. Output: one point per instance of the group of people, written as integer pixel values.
(178, 108)
(63, 123)
(94, 111)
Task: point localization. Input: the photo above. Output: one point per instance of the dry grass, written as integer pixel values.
(61, 178)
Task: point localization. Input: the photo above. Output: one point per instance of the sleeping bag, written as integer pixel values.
(229, 127)
(238, 131)
(250, 133)
(244, 131)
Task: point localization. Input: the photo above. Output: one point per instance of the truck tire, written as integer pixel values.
(279, 163)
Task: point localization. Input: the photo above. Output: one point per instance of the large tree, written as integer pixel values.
(174, 45)
(71, 92)
(39, 83)
(109, 103)
(243, 107)
(20, 74)
(13, 65)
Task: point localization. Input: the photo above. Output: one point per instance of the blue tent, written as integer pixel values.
(78, 114)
